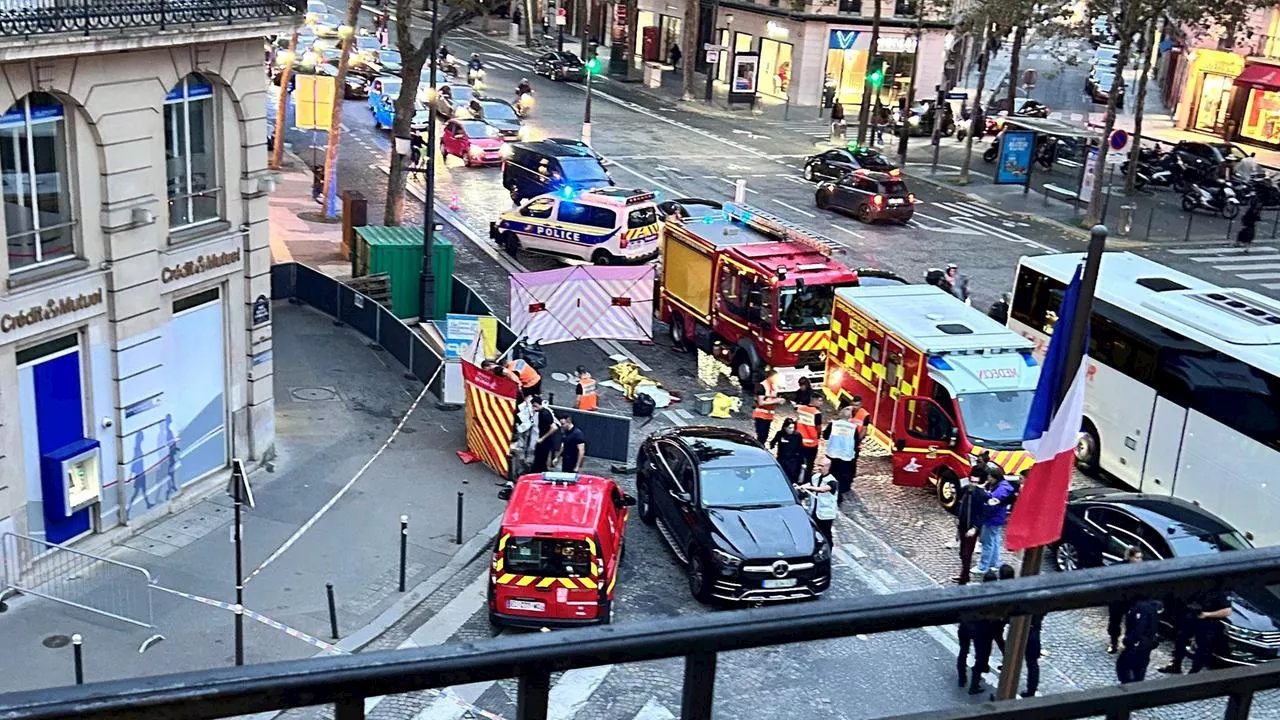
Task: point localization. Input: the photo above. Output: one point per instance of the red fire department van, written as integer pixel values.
(943, 382)
(557, 555)
(751, 289)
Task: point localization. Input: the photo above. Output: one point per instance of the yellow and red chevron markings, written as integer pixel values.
(637, 233)
(490, 417)
(805, 341)
(1012, 461)
(586, 583)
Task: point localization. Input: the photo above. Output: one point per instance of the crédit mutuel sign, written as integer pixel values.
(52, 309)
(200, 264)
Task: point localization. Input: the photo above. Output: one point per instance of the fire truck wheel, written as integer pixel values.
(1087, 447)
(644, 501)
(677, 330)
(948, 491)
(743, 370)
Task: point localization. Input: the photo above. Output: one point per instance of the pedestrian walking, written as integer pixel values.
(674, 55)
(842, 449)
(971, 508)
(585, 390)
(978, 635)
(1116, 611)
(1200, 619)
(1141, 635)
(959, 284)
(837, 121)
(573, 448)
(994, 519)
(820, 498)
(808, 424)
(766, 400)
(790, 450)
(1249, 225)
(881, 122)
(548, 430)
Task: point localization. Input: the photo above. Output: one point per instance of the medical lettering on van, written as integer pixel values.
(998, 374)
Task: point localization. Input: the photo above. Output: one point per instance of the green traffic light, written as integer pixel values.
(593, 65)
(875, 78)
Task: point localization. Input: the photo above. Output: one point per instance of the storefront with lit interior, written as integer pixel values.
(848, 52)
(1257, 105)
(1207, 79)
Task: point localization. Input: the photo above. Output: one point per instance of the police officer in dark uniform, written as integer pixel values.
(1202, 619)
(548, 435)
(1141, 635)
(1116, 610)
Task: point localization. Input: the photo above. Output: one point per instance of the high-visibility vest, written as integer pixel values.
(765, 412)
(807, 425)
(860, 420)
(587, 400)
(843, 443)
(525, 372)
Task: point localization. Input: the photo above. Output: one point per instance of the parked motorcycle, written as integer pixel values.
(449, 66)
(990, 153)
(1221, 199)
(1266, 190)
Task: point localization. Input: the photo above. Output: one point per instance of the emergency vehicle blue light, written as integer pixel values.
(1029, 359)
(939, 363)
(567, 192)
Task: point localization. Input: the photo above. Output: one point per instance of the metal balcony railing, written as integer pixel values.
(26, 18)
(345, 681)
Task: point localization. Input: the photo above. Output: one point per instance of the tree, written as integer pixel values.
(414, 56)
(1148, 39)
(282, 102)
(692, 15)
(347, 31)
(976, 122)
(868, 87)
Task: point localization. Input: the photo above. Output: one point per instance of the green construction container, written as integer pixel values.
(397, 251)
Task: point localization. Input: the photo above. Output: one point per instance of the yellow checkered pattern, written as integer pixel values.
(850, 347)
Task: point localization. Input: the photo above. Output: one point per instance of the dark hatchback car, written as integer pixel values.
(560, 66)
(1205, 158)
(1101, 524)
(500, 114)
(727, 510)
(868, 196)
(835, 164)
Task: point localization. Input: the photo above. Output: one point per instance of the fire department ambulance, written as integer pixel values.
(751, 289)
(943, 382)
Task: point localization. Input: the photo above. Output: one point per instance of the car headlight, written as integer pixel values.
(725, 559)
(523, 134)
(824, 548)
(504, 151)
(475, 151)
(914, 120)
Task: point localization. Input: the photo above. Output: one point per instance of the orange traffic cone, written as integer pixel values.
(453, 201)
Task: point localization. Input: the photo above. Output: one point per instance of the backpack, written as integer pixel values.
(643, 405)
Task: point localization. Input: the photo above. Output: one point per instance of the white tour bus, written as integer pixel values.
(1184, 383)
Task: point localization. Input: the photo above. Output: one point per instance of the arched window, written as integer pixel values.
(191, 153)
(38, 218)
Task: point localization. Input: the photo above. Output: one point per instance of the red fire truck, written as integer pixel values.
(943, 382)
(751, 289)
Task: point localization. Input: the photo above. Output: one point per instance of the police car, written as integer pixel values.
(604, 226)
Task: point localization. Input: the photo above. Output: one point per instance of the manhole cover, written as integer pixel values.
(313, 394)
(57, 641)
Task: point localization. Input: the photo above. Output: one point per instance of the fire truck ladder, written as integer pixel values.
(784, 230)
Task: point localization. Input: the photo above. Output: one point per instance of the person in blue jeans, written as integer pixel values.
(997, 515)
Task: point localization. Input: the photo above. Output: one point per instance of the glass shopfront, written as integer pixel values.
(1212, 103)
(775, 68)
(1261, 120)
(846, 68)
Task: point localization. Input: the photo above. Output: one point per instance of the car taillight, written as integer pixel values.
(878, 201)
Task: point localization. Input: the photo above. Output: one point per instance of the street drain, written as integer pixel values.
(313, 394)
(56, 641)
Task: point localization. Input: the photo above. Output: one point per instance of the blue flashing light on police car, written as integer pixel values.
(604, 226)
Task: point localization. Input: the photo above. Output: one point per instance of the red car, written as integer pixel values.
(474, 141)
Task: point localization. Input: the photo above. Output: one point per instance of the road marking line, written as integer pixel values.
(1248, 268)
(806, 213)
(646, 178)
(1232, 250)
(851, 232)
(574, 689)
(1003, 234)
(1241, 258)
(653, 710)
(734, 185)
(674, 418)
(685, 414)
(1260, 276)
(1271, 286)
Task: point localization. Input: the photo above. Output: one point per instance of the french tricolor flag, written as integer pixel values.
(1050, 437)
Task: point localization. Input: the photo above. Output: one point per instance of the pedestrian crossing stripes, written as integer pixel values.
(971, 209)
(1250, 264)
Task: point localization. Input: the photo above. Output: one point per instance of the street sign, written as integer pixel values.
(713, 56)
(1029, 77)
(241, 478)
(1119, 140)
(713, 46)
(957, 96)
(561, 19)
(1090, 171)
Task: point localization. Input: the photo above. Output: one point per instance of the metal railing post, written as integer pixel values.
(1238, 706)
(404, 547)
(699, 686)
(349, 709)
(532, 695)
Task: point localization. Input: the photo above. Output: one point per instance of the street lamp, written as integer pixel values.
(404, 148)
(592, 66)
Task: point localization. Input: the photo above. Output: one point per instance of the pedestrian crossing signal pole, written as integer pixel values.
(592, 67)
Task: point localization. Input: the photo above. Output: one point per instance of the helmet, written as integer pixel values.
(475, 56)
(524, 81)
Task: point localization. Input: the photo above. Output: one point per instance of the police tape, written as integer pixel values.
(343, 490)
(321, 644)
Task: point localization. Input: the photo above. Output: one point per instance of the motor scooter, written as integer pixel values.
(524, 105)
(1221, 199)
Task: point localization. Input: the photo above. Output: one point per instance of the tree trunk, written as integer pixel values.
(584, 27)
(1018, 36)
(1148, 39)
(528, 23)
(411, 74)
(335, 122)
(633, 31)
(1094, 214)
(865, 109)
(282, 103)
(485, 21)
(975, 122)
(689, 39)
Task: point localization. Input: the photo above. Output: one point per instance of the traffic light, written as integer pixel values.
(875, 74)
(593, 62)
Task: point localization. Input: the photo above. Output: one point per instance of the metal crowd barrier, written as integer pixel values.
(79, 579)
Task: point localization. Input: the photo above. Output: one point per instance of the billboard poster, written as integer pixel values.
(1090, 174)
(743, 81)
(1014, 165)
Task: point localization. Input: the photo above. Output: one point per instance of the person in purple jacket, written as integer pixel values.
(994, 519)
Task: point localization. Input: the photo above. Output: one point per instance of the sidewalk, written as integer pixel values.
(337, 402)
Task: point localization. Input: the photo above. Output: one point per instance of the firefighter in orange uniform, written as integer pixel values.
(766, 400)
(585, 389)
(808, 420)
(523, 373)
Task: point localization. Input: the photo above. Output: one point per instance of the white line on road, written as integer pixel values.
(1247, 268)
(851, 232)
(734, 185)
(1260, 276)
(653, 710)
(1271, 286)
(1240, 258)
(646, 178)
(674, 418)
(1232, 250)
(1003, 234)
(573, 691)
(806, 213)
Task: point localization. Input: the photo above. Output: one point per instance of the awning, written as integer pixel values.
(1266, 76)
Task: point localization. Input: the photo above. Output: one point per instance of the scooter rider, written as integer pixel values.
(475, 64)
(444, 51)
(523, 88)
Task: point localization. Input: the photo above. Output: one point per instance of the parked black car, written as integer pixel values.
(727, 510)
(835, 164)
(1204, 159)
(1101, 524)
(560, 66)
(868, 196)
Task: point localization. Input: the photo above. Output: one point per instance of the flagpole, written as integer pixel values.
(1033, 558)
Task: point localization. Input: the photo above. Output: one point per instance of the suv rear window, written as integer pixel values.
(547, 557)
(895, 189)
(642, 217)
(580, 169)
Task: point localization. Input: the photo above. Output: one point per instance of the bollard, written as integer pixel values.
(333, 612)
(404, 547)
(1231, 221)
(457, 533)
(1151, 213)
(1126, 218)
(740, 190)
(239, 611)
(77, 653)
(1190, 216)
(551, 399)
